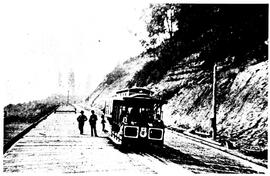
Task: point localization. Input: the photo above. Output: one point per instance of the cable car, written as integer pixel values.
(136, 117)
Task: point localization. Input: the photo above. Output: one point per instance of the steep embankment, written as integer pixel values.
(242, 101)
(242, 106)
(107, 89)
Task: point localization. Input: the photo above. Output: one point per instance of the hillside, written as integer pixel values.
(242, 107)
(180, 70)
(242, 111)
(105, 91)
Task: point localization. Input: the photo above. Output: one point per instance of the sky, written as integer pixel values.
(42, 39)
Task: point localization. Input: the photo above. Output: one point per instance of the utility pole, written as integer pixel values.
(68, 97)
(214, 108)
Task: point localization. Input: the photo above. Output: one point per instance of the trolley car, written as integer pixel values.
(136, 117)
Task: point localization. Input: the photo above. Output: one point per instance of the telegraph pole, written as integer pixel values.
(214, 108)
(68, 97)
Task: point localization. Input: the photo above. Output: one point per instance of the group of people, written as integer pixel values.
(92, 121)
(143, 117)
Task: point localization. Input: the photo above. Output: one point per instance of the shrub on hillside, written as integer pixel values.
(152, 72)
(117, 73)
(27, 112)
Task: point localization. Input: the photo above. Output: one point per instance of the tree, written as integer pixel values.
(162, 19)
(60, 82)
(231, 35)
(71, 82)
(162, 24)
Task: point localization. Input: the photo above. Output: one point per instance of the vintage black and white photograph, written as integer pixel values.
(134, 87)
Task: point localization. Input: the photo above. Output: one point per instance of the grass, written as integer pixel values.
(20, 116)
(13, 129)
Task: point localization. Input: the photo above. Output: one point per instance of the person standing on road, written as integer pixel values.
(81, 119)
(103, 122)
(92, 121)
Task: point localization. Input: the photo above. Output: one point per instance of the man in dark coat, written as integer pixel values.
(92, 121)
(81, 119)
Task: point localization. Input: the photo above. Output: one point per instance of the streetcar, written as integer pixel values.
(136, 117)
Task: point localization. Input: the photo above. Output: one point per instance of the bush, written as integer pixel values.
(152, 72)
(117, 73)
(27, 112)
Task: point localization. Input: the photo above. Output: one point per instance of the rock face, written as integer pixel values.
(243, 116)
(241, 106)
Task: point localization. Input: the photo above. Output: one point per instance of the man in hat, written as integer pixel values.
(81, 119)
(92, 121)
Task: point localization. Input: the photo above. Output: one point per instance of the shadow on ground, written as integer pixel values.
(196, 165)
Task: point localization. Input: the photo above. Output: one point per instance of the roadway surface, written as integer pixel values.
(55, 146)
